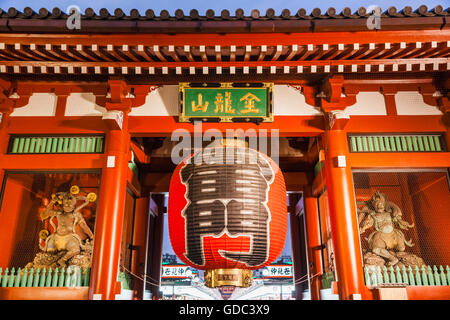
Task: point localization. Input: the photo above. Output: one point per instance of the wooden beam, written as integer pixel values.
(52, 161)
(156, 181)
(128, 52)
(142, 51)
(156, 51)
(256, 39)
(47, 52)
(79, 50)
(63, 49)
(400, 160)
(173, 53)
(56, 125)
(164, 126)
(227, 64)
(159, 182)
(378, 124)
(94, 52)
(140, 155)
(297, 181)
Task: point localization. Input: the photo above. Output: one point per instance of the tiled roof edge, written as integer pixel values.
(225, 15)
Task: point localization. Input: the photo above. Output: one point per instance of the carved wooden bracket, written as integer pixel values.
(62, 91)
(337, 119)
(388, 90)
(140, 94)
(11, 98)
(332, 88)
(337, 97)
(309, 92)
(121, 96)
(124, 97)
(118, 96)
(444, 106)
(427, 91)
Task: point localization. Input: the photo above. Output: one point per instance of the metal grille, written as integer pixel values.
(397, 143)
(24, 195)
(56, 144)
(424, 200)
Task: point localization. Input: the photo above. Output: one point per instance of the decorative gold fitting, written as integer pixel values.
(230, 142)
(91, 196)
(74, 190)
(43, 234)
(228, 277)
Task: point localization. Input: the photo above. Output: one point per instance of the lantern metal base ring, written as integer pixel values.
(228, 277)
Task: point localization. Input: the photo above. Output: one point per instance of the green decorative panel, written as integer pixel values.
(55, 144)
(408, 276)
(397, 143)
(225, 102)
(70, 277)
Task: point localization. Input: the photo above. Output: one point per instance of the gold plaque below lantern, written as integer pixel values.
(228, 277)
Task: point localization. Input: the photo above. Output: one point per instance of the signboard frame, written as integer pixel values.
(175, 267)
(231, 86)
(278, 275)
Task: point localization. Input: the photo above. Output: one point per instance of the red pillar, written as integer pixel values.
(110, 212)
(445, 108)
(157, 243)
(8, 222)
(139, 242)
(343, 216)
(314, 243)
(4, 139)
(447, 138)
(298, 257)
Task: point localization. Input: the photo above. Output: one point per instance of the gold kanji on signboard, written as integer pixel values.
(249, 103)
(200, 105)
(220, 103)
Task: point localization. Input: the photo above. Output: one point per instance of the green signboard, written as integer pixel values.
(227, 102)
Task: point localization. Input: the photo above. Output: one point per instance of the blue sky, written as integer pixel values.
(217, 6)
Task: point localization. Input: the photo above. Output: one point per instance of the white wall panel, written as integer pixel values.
(368, 103)
(39, 105)
(411, 103)
(160, 102)
(83, 104)
(288, 101)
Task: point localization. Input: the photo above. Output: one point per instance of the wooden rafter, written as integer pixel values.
(387, 51)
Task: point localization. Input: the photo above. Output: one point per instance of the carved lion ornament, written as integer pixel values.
(386, 241)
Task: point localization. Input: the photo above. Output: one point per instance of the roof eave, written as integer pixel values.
(56, 26)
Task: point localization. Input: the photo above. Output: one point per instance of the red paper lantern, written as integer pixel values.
(227, 209)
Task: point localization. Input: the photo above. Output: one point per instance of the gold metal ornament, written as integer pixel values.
(43, 234)
(91, 196)
(44, 215)
(57, 198)
(74, 190)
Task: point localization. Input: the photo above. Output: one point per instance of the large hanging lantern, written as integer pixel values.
(227, 213)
